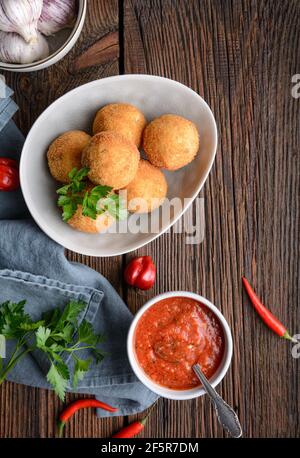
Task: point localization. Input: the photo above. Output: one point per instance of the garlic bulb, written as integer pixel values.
(20, 16)
(14, 50)
(56, 15)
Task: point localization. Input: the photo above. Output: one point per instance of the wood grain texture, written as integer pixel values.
(240, 55)
(102, 52)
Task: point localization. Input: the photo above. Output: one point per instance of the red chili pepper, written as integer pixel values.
(80, 404)
(131, 430)
(141, 272)
(9, 174)
(134, 428)
(269, 319)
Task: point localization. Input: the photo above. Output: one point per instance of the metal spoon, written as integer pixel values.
(225, 414)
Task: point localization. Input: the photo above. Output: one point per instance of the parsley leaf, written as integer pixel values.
(58, 381)
(69, 314)
(59, 332)
(70, 195)
(100, 200)
(13, 320)
(88, 206)
(81, 367)
(86, 335)
(115, 205)
(98, 355)
(91, 198)
(42, 335)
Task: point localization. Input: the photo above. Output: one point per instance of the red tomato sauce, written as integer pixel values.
(172, 336)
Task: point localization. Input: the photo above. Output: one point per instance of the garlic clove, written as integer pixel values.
(56, 15)
(21, 16)
(28, 32)
(15, 50)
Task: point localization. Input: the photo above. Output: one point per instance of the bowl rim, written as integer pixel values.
(39, 64)
(168, 393)
(88, 252)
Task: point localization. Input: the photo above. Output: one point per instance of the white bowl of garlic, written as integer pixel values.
(38, 33)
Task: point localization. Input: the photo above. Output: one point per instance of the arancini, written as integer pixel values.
(171, 141)
(64, 153)
(86, 224)
(123, 118)
(112, 159)
(147, 190)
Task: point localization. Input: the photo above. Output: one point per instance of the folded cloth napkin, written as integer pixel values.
(34, 268)
(7, 106)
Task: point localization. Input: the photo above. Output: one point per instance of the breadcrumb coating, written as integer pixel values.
(64, 153)
(171, 141)
(148, 189)
(86, 224)
(112, 160)
(123, 118)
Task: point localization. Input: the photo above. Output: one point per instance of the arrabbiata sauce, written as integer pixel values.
(173, 335)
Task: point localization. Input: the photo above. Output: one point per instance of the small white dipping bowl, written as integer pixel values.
(167, 392)
(154, 96)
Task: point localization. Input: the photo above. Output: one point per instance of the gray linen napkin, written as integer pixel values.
(34, 268)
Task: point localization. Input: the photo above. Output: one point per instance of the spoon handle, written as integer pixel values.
(225, 414)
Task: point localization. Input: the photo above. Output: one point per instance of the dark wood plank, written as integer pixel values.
(94, 56)
(240, 55)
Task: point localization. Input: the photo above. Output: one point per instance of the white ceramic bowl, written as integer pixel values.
(179, 394)
(60, 44)
(75, 110)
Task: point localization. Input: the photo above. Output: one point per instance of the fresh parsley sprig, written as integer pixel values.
(114, 205)
(91, 198)
(58, 332)
(71, 194)
(94, 201)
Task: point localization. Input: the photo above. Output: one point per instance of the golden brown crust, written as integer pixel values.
(64, 153)
(112, 160)
(86, 224)
(148, 189)
(171, 141)
(123, 118)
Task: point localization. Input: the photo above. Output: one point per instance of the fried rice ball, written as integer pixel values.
(122, 118)
(147, 190)
(64, 153)
(112, 159)
(171, 141)
(86, 224)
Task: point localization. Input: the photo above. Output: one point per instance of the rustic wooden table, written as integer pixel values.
(240, 56)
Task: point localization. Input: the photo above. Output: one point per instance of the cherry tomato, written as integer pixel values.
(9, 175)
(9, 162)
(140, 272)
